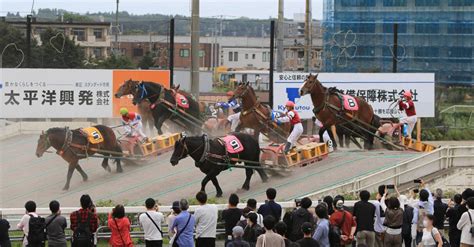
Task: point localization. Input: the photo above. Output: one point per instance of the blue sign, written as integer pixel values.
(292, 93)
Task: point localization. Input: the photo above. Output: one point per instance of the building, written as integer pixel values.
(93, 37)
(433, 36)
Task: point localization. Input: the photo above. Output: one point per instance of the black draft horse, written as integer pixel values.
(154, 93)
(72, 146)
(195, 147)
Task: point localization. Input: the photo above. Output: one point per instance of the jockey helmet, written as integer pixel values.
(407, 94)
(290, 103)
(123, 111)
(230, 93)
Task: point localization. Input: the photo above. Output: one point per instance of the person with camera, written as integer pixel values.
(119, 226)
(424, 207)
(343, 220)
(466, 225)
(84, 223)
(298, 217)
(151, 222)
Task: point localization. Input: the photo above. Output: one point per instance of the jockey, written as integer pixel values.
(231, 103)
(405, 103)
(293, 117)
(133, 123)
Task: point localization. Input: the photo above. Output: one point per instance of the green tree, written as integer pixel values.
(147, 61)
(59, 51)
(15, 54)
(116, 62)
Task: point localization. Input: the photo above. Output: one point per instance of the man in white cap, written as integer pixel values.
(237, 233)
(345, 222)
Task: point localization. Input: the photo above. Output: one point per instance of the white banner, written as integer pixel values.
(55, 93)
(378, 89)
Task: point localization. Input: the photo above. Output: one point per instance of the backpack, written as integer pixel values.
(472, 226)
(421, 215)
(335, 233)
(82, 236)
(36, 235)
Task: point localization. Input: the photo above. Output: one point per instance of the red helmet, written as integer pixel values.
(290, 103)
(407, 94)
(230, 93)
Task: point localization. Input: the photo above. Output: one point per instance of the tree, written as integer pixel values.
(59, 51)
(147, 61)
(116, 62)
(15, 54)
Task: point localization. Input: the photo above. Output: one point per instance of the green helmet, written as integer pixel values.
(123, 111)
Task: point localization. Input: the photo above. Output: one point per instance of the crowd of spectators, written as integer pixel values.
(391, 220)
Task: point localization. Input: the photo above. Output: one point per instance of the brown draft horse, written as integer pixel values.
(72, 146)
(257, 116)
(129, 87)
(328, 109)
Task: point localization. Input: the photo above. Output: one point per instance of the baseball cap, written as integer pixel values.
(237, 231)
(307, 228)
(175, 205)
(339, 204)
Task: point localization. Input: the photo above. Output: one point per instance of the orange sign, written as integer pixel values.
(120, 76)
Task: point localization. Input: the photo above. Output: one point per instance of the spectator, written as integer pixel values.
(4, 237)
(231, 216)
(172, 217)
(206, 222)
(151, 221)
(344, 220)
(252, 203)
(431, 237)
(379, 217)
(329, 202)
(297, 218)
(393, 221)
(466, 225)
(422, 208)
(119, 226)
(322, 228)
(440, 209)
(243, 219)
(364, 213)
(252, 230)
(84, 223)
(23, 225)
(454, 216)
(237, 241)
(184, 224)
(466, 194)
(55, 225)
(270, 238)
(307, 240)
(281, 229)
(407, 221)
(270, 207)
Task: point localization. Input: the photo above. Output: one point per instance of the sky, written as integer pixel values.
(261, 9)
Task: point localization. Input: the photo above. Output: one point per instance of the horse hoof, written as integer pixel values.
(85, 179)
(219, 194)
(246, 188)
(66, 188)
(264, 180)
(119, 170)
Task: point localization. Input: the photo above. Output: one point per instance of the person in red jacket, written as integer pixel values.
(343, 220)
(119, 226)
(293, 117)
(406, 104)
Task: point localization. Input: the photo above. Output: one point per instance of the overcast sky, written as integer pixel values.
(261, 9)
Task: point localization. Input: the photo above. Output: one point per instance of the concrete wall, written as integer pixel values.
(183, 78)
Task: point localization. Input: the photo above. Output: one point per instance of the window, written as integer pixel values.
(98, 33)
(137, 52)
(460, 52)
(394, 3)
(422, 53)
(460, 3)
(236, 56)
(201, 53)
(231, 56)
(253, 56)
(184, 52)
(97, 52)
(246, 56)
(359, 27)
(426, 2)
(300, 54)
(357, 3)
(80, 34)
(264, 56)
(388, 27)
(365, 51)
(426, 28)
(460, 28)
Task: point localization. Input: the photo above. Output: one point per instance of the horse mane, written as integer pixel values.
(54, 130)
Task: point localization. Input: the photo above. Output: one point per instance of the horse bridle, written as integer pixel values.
(243, 93)
(185, 148)
(312, 86)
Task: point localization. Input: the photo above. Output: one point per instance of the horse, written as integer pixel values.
(258, 117)
(209, 156)
(73, 145)
(164, 106)
(128, 88)
(329, 110)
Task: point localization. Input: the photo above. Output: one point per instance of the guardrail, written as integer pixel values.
(440, 159)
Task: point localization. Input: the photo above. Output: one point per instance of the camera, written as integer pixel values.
(298, 202)
(390, 186)
(416, 191)
(417, 181)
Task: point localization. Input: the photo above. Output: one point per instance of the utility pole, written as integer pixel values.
(395, 48)
(307, 36)
(117, 48)
(195, 49)
(280, 35)
(272, 63)
(28, 41)
(171, 52)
